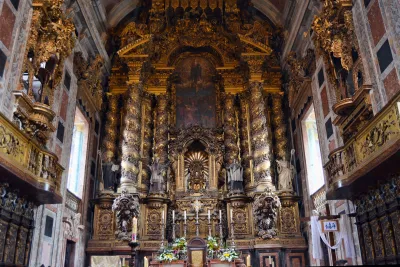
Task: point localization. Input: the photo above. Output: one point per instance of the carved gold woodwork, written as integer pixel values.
(230, 133)
(131, 138)
(147, 141)
(51, 35)
(211, 139)
(373, 143)
(289, 215)
(279, 126)
(161, 128)
(111, 133)
(25, 157)
(260, 136)
(245, 139)
(334, 33)
(105, 218)
(89, 75)
(34, 118)
(301, 71)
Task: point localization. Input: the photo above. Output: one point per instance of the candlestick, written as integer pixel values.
(133, 246)
(232, 234)
(162, 232)
(134, 229)
(248, 260)
(184, 228)
(220, 234)
(209, 216)
(197, 223)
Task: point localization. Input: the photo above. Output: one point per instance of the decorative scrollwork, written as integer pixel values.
(126, 207)
(265, 210)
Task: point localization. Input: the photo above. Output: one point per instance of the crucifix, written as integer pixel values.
(330, 234)
(197, 206)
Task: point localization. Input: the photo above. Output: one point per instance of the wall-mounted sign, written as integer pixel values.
(330, 225)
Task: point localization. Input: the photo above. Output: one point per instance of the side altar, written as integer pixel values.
(195, 140)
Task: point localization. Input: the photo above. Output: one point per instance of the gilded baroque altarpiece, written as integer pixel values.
(193, 99)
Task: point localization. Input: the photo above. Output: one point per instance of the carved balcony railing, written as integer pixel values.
(28, 165)
(375, 143)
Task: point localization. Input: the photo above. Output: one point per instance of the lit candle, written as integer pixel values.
(134, 229)
(184, 215)
(173, 216)
(248, 260)
(209, 216)
(220, 216)
(146, 262)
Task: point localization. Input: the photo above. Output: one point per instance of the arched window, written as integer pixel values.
(77, 161)
(315, 174)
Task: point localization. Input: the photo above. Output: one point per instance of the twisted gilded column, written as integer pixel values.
(279, 126)
(111, 134)
(131, 139)
(245, 145)
(161, 130)
(147, 139)
(262, 150)
(230, 133)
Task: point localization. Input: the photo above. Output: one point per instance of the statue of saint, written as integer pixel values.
(286, 173)
(235, 177)
(110, 171)
(157, 178)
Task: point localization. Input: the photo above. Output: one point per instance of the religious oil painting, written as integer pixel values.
(195, 93)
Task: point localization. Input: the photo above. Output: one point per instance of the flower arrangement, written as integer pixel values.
(179, 244)
(228, 255)
(167, 255)
(212, 246)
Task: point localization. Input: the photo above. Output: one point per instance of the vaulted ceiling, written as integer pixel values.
(117, 10)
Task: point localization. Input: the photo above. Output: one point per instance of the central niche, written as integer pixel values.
(195, 93)
(196, 168)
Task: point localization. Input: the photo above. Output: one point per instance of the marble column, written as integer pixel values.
(260, 144)
(131, 139)
(230, 133)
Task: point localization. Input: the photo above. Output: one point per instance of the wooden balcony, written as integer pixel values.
(371, 152)
(26, 165)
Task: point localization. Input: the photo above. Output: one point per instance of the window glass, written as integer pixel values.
(77, 161)
(312, 150)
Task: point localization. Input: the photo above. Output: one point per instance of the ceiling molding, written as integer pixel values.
(122, 9)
